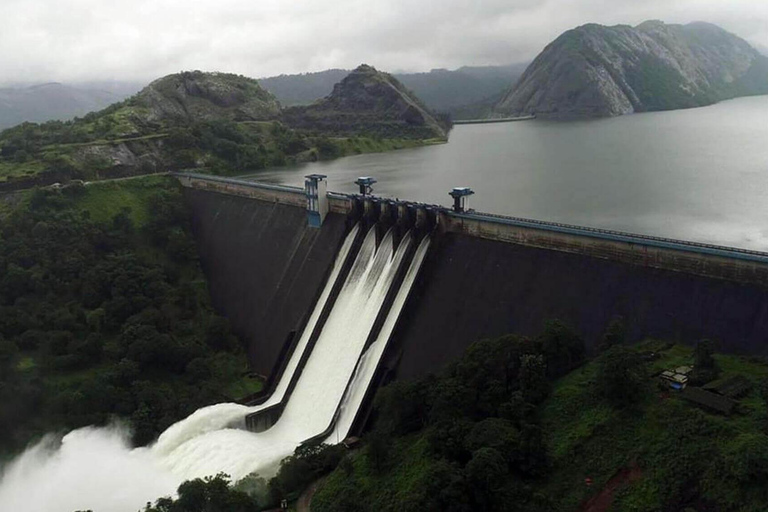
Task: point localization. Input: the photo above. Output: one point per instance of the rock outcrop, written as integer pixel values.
(368, 102)
(594, 71)
(199, 96)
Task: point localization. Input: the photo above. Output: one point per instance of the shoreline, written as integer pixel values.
(498, 120)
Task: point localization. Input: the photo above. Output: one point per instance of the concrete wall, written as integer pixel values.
(265, 266)
(680, 256)
(474, 288)
(485, 276)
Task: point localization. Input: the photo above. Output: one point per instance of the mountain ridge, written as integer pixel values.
(457, 92)
(595, 71)
(370, 102)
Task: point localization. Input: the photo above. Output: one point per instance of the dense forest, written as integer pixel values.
(104, 312)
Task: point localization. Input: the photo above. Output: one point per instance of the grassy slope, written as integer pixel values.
(588, 439)
(105, 200)
(407, 476)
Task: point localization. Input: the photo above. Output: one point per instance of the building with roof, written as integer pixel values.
(708, 400)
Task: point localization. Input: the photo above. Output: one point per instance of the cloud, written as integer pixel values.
(71, 40)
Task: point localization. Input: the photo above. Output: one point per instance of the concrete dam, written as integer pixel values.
(334, 293)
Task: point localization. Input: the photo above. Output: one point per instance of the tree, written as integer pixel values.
(402, 407)
(307, 464)
(212, 494)
(614, 334)
(620, 376)
(495, 433)
(562, 347)
(533, 378)
(704, 365)
(378, 450)
(702, 355)
(486, 472)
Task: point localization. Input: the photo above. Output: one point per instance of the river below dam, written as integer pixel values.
(699, 174)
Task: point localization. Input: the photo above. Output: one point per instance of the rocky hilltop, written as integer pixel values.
(594, 71)
(368, 102)
(198, 96)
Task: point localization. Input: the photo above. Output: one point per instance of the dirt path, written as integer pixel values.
(305, 500)
(602, 501)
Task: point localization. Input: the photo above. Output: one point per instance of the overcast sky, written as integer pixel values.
(74, 40)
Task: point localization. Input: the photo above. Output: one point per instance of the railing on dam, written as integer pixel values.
(239, 182)
(619, 236)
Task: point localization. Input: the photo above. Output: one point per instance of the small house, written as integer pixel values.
(674, 379)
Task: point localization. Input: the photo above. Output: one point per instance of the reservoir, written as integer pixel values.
(698, 174)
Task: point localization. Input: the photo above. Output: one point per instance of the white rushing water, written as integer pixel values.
(94, 468)
(369, 361)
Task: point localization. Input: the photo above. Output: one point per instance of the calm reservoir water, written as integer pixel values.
(699, 174)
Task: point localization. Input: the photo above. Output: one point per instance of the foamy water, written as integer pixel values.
(90, 468)
(95, 468)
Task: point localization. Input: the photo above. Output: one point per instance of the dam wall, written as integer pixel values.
(474, 288)
(681, 256)
(265, 266)
(484, 276)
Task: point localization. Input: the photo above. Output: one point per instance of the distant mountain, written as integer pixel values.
(368, 102)
(594, 71)
(45, 102)
(304, 88)
(451, 91)
(440, 89)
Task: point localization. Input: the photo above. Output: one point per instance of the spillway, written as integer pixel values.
(334, 378)
(369, 361)
(301, 346)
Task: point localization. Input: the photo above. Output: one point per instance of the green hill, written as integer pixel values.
(218, 122)
(368, 102)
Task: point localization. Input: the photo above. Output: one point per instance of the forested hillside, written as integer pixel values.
(104, 312)
(529, 425)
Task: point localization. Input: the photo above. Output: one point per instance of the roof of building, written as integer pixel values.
(674, 377)
(709, 400)
(732, 387)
